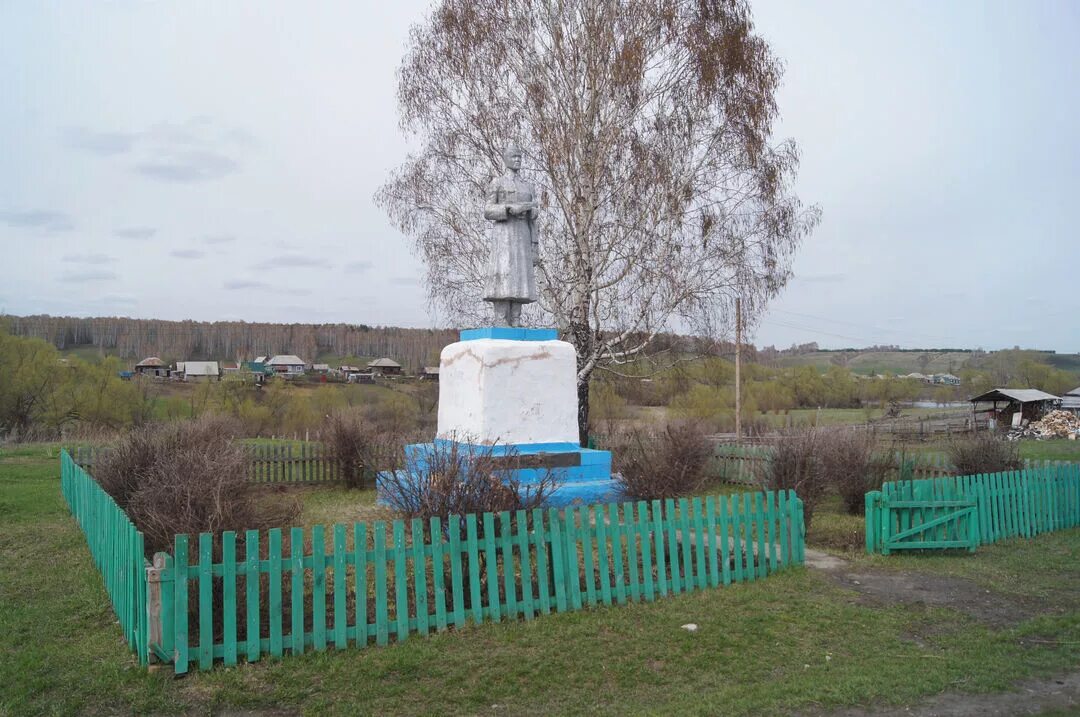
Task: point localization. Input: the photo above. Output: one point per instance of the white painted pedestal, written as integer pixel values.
(508, 392)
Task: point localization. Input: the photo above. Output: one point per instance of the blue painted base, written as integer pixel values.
(512, 333)
(583, 484)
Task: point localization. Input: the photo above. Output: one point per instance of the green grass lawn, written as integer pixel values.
(794, 641)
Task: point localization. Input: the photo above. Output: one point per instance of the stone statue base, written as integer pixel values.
(516, 389)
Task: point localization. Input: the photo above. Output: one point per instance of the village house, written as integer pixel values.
(287, 365)
(384, 367)
(152, 366)
(1071, 401)
(430, 373)
(945, 379)
(198, 371)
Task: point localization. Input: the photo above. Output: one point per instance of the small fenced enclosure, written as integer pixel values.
(968, 511)
(116, 547)
(230, 597)
(285, 592)
(302, 463)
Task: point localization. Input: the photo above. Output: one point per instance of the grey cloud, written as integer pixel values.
(293, 261)
(42, 219)
(136, 232)
(237, 284)
(218, 239)
(358, 266)
(187, 254)
(241, 284)
(88, 258)
(197, 150)
(88, 276)
(101, 143)
(188, 166)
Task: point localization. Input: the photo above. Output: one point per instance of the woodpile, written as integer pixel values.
(1056, 424)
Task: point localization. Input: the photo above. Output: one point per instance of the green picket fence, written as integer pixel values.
(116, 547)
(1002, 505)
(269, 463)
(229, 597)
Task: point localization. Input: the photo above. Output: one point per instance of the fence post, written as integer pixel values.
(159, 607)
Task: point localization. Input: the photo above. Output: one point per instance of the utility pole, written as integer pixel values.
(738, 369)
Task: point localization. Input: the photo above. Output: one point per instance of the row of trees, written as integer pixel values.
(43, 395)
(231, 340)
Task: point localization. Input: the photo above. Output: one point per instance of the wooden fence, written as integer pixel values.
(116, 547)
(270, 463)
(288, 592)
(1018, 503)
(741, 464)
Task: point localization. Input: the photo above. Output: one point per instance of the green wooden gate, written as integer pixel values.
(926, 524)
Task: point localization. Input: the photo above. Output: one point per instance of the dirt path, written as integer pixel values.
(1031, 697)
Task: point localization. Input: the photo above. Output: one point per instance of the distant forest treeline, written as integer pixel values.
(232, 340)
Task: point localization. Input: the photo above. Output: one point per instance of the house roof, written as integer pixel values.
(260, 359)
(384, 363)
(431, 369)
(1021, 395)
(1069, 400)
(201, 368)
(286, 360)
(918, 375)
(150, 361)
(1074, 392)
(321, 367)
(347, 369)
(947, 375)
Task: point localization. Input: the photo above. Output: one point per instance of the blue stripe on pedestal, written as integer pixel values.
(511, 333)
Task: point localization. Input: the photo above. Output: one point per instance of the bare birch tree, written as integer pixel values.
(646, 126)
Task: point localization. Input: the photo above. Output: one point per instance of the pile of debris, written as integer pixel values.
(1056, 424)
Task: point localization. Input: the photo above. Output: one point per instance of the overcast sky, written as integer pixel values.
(215, 161)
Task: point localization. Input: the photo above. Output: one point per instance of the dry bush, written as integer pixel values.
(665, 464)
(188, 477)
(795, 463)
(983, 453)
(359, 448)
(455, 478)
(849, 461)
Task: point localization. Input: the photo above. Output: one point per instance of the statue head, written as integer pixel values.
(512, 156)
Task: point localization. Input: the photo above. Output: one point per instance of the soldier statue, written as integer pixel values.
(512, 208)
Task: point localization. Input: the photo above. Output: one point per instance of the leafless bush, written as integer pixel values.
(359, 448)
(984, 453)
(187, 477)
(455, 478)
(795, 463)
(850, 464)
(665, 464)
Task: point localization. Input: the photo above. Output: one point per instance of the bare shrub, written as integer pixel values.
(796, 463)
(188, 477)
(983, 453)
(850, 464)
(456, 478)
(664, 464)
(359, 448)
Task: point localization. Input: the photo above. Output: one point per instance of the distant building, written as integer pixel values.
(945, 379)
(199, 370)
(287, 365)
(152, 366)
(1071, 401)
(430, 373)
(1008, 406)
(321, 368)
(385, 367)
(916, 376)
